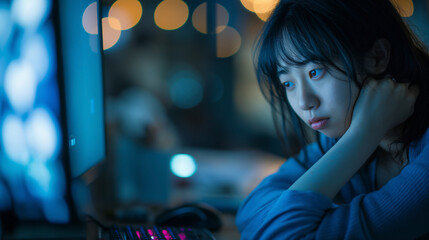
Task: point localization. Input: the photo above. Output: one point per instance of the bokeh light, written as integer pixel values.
(39, 179)
(43, 134)
(110, 30)
(35, 52)
(56, 210)
(30, 133)
(128, 12)
(264, 6)
(20, 85)
(183, 165)
(248, 4)
(264, 16)
(185, 90)
(171, 14)
(89, 19)
(404, 7)
(199, 18)
(14, 141)
(29, 14)
(46, 180)
(228, 42)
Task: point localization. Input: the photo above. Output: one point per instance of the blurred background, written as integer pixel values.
(182, 99)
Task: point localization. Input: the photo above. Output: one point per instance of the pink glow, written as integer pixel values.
(166, 234)
(182, 236)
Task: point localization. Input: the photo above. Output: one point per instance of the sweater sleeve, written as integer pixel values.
(258, 206)
(399, 210)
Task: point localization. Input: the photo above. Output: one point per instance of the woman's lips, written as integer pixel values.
(317, 124)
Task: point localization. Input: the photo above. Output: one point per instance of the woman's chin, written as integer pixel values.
(333, 133)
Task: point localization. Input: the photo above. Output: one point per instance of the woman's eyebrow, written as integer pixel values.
(282, 71)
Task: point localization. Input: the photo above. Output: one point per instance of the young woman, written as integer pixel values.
(353, 72)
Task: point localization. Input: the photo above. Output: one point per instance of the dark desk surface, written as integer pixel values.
(229, 231)
(46, 231)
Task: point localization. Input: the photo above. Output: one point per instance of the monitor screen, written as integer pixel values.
(83, 83)
(33, 177)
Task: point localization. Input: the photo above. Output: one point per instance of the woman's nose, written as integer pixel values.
(307, 98)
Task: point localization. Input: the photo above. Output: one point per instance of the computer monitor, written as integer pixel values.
(82, 75)
(51, 105)
(83, 83)
(33, 157)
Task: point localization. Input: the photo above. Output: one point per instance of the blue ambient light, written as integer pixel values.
(183, 165)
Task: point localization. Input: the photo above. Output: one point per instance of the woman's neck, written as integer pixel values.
(391, 151)
(388, 142)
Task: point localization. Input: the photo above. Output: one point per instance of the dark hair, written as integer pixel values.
(336, 34)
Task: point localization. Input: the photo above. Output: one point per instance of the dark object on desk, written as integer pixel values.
(191, 215)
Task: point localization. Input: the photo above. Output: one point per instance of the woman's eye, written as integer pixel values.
(288, 84)
(316, 73)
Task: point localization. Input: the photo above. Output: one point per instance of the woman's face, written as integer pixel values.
(323, 100)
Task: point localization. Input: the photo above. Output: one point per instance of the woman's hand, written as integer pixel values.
(383, 104)
(380, 106)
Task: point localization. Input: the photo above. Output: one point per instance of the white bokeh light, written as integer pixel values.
(183, 165)
(35, 52)
(45, 180)
(20, 85)
(13, 140)
(89, 19)
(42, 134)
(40, 179)
(29, 14)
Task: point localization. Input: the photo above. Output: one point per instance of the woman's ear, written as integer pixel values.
(378, 57)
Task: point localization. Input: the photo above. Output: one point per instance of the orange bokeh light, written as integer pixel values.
(404, 7)
(111, 33)
(264, 16)
(248, 4)
(171, 14)
(199, 18)
(128, 12)
(228, 42)
(264, 6)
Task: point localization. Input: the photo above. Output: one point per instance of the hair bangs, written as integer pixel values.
(304, 40)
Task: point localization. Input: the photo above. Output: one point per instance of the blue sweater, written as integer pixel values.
(398, 210)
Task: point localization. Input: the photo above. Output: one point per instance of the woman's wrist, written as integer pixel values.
(368, 128)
